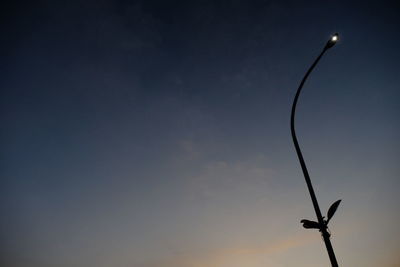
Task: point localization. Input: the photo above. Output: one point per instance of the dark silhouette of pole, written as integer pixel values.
(322, 224)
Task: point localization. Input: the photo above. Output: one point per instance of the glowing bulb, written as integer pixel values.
(334, 38)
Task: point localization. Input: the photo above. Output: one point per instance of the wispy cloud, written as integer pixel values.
(247, 175)
(252, 255)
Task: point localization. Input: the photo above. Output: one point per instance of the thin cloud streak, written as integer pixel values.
(236, 256)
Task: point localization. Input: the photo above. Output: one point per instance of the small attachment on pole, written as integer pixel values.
(332, 209)
(310, 224)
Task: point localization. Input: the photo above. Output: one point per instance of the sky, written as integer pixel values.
(156, 133)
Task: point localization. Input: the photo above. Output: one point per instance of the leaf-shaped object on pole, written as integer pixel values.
(310, 224)
(333, 209)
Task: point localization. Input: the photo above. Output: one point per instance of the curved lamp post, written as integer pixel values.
(322, 224)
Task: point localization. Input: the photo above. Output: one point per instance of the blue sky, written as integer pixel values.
(156, 134)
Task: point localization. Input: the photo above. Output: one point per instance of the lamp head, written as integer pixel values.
(332, 41)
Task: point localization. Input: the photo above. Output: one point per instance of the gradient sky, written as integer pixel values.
(156, 133)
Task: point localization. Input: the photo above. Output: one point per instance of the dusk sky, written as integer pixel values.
(157, 133)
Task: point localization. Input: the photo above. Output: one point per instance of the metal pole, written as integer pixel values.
(321, 222)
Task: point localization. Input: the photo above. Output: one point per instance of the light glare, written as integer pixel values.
(334, 38)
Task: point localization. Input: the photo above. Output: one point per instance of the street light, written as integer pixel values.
(322, 224)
